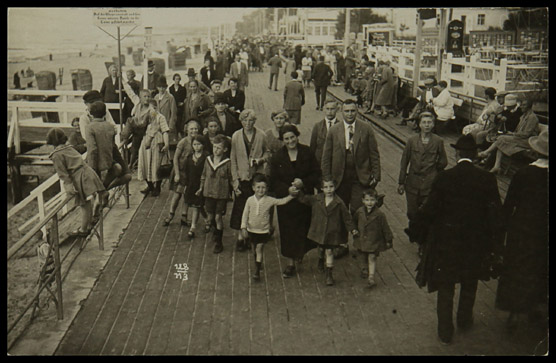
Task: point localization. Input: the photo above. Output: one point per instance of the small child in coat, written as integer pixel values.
(255, 220)
(375, 235)
(80, 180)
(216, 186)
(330, 218)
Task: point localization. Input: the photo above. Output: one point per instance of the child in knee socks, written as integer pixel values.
(255, 221)
(375, 235)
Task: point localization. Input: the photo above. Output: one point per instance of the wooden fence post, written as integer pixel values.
(58, 267)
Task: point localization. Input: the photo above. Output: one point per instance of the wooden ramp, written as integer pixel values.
(146, 303)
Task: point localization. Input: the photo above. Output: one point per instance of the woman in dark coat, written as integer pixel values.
(179, 92)
(293, 162)
(523, 284)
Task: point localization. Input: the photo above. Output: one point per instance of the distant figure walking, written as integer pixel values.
(294, 98)
(17, 81)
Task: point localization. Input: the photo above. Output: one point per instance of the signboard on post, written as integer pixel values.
(117, 17)
(455, 37)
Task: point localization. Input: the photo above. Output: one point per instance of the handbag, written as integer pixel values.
(165, 168)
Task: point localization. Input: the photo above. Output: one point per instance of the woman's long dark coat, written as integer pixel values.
(294, 218)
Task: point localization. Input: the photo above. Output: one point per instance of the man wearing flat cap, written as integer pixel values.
(460, 229)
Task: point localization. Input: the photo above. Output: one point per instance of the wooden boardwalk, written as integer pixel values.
(140, 306)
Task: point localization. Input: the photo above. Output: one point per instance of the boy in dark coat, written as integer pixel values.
(375, 235)
(330, 218)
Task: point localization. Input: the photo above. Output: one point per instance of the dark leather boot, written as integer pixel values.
(218, 247)
(156, 191)
(257, 274)
(148, 189)
(329, 278)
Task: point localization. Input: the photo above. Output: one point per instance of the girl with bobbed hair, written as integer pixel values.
(80, 180)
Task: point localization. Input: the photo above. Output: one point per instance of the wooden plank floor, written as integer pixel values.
(139, 306)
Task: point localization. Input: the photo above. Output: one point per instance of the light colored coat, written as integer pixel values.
(242, 76)
(444, 105)
(241, 165)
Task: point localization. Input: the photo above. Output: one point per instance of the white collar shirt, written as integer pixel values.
(347, 130)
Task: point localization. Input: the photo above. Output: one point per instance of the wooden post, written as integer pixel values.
(441, 41)
(120, 81)
(40, 202)
(101, 231)
(17, 138)
(346, 29)
(65, 114)
(146, 55)
(276, 28)
(58, 267)
(417, 56)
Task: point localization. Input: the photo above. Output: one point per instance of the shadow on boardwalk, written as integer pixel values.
(141, 305)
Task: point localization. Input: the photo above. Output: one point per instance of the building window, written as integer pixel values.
(309, 30)
(332, 30)
(317, 29)
(481, 19)
(324, 30)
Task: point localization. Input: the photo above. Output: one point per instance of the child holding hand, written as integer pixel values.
(255, 221)
(330, 218)
(375, 234)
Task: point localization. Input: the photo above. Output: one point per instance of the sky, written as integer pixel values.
(51, 26)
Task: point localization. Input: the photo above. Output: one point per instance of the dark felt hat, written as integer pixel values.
(219, 98)
(465, 142)
(161, 82)
(490, 91)
(150, 63)
(191, 72)
(92, 96)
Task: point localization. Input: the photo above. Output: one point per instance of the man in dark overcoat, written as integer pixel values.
(322, 74)
(461, 219)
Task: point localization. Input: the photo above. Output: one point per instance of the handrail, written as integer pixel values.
(45, 92)
(17, 246)
(56, 106)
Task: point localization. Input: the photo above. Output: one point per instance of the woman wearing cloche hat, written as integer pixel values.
(523, 284)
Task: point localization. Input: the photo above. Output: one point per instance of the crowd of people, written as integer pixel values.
(325, 191)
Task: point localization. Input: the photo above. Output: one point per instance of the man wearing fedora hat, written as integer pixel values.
(523, 283)
(191, 74)
(228, 120)
(459, 228)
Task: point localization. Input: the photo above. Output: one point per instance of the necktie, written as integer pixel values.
(329, 124)
(351, 138)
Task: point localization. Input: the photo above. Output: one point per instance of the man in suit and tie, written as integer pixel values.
(321, 128)
(275, 64)
(239, 70)
(322, 74)
(235, 98)
(191, 76)
(152, 78)
(207, 73)
(109, 91)
(294, 98)
(350, 157)
(459, 225)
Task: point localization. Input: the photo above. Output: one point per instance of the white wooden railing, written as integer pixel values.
(14, 140)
